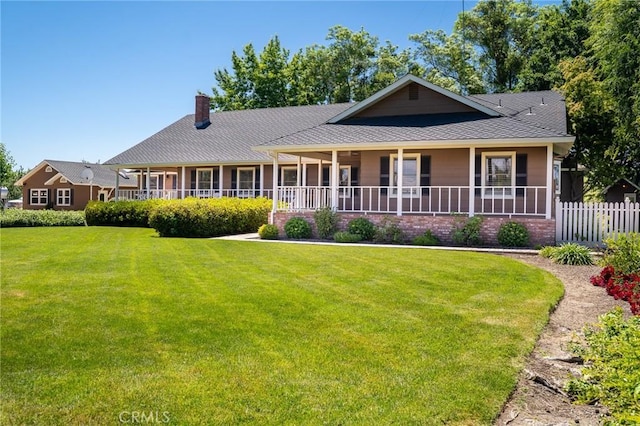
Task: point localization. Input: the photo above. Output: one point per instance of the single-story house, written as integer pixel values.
(67, 185)
(622, 190)
(412, 150)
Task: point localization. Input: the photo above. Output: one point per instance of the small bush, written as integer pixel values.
(297, 228)
(547, 252)
(25, 218)
(268, 232)
(326, 222)
(346, 237)
(572, 254)
(363, 227)
(513, 234)
(120, 213)
(623, 253)
(389, 232)
(426, 239)
(467, 232)
(612, 372)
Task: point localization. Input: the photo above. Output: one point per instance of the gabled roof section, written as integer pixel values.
(637, 187)
(71, 170)
(467, 104)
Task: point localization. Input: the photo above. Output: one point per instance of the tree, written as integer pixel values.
(602, 89)
(501, 31)
(8, 172)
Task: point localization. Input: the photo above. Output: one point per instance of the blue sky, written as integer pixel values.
(87, 80)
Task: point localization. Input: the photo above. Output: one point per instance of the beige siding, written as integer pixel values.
(428, 102)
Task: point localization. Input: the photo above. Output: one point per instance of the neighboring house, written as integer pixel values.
(413, 150)
(61, 185)
(621, 190)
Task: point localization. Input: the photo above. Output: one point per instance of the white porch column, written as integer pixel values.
(220, 179)
(275, 183)
(320, 172)
(182, 183)
(117, 183)
(399, 198)
(334, 179)
(298, 170)
(472, 180)
(261, 180)
(304, 174)
(148, 182)
(550, 189)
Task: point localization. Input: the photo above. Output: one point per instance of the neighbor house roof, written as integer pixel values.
(72, 171)
(248, 135)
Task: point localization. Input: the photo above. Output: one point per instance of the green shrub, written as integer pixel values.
(120, 213)
(24, 218)
(363, 227)
(346, 237)
(426, 239)
(389, 232)
(623, 253)
(572, 254)
(268, 232)
(611, 374)
(547, 252)
(513, 234)
(297, 228)
(326, 222)
(467, 232)
(209, 217)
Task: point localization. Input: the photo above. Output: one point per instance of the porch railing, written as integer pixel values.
(512, 201)
(171, 194)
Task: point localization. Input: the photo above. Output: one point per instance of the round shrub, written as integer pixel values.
(297, 228)
(268, 232)
(547, 252)
(363, 227)
(426, 239)
(513, 234)
(345, 237)
(326, 222)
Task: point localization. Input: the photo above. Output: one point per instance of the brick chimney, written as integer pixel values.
(202, 112)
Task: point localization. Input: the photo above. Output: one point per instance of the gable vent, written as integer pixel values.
(414, 91)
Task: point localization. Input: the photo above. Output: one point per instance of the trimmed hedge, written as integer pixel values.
(12, 218)
(211, 217)
(120, 213)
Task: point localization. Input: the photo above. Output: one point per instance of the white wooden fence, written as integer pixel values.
(592, 223)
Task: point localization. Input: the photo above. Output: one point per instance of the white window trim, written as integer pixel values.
(631, 196)
(48, 169)
(62, 191)
(487, 191)
(105, 193)
(63, 180)
(38, 196)
(198, 179)
(253, 178)
(406, 193)
(282, 169)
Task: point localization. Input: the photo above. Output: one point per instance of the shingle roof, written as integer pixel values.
(102, 176)
(229, 138)
(232, 135)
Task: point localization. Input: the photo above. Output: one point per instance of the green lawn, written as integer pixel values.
(99, 324)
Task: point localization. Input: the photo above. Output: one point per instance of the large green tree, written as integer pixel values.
(9, 172)
(602, 89)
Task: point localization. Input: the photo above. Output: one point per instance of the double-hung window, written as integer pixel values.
(498, 174)
(246, 178)
(410, 174)
(63, 197)
(38, 197)
(289, 176)
(204, 182)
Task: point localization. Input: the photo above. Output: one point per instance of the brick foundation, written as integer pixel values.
(541, 231)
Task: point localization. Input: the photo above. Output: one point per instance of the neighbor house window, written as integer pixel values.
(63, 197)
(39, 197)
(289, 176)
(410, 174)
(246, 178)
(498, 176)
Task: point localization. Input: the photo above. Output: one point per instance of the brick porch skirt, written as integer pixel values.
(541, 231)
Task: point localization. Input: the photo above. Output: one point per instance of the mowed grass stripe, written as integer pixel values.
(97, 321)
